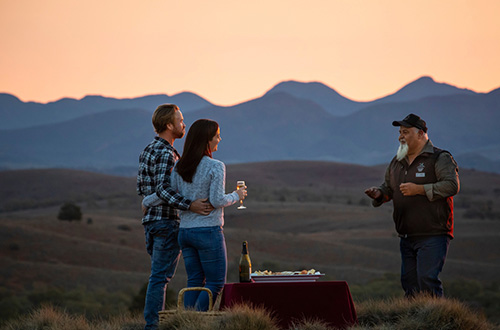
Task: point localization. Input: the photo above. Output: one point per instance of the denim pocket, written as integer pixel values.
(161, 235)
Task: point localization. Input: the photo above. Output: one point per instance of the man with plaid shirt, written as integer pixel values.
(161, 223)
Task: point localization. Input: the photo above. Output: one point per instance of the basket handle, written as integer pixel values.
(180, 299)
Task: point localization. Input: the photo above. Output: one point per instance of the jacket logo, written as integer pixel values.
(420, 169)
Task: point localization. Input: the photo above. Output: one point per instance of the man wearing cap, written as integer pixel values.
(421, 180)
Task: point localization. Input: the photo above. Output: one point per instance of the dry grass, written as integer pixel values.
(309, 325)
(421, 313)
(50, 318)
(240, 317)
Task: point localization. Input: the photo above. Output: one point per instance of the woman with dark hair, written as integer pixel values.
(201, 237)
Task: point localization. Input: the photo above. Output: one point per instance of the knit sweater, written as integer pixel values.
(208, 182)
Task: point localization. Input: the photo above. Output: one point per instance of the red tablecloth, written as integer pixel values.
(328, 301)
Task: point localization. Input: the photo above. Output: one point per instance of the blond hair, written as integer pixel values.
(163, 115)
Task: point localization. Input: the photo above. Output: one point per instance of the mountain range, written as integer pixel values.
(292, 121)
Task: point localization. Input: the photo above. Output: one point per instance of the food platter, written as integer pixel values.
(310, 275)
(286, 278)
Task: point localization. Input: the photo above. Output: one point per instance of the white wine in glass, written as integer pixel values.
(240, 185)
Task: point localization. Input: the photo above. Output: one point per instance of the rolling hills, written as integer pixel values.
(300, 215)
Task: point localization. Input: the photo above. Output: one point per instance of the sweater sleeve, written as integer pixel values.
(152, 200)
(218, 197)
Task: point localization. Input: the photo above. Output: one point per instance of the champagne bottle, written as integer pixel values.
(245, 264)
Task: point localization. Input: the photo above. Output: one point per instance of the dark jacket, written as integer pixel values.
(429, 214)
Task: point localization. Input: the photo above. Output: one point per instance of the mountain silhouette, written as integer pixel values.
(338, 105)
(424, 87)
(326, 97)
(17, 114)
(286, 123)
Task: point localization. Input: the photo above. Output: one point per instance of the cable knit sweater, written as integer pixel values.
(208, 182)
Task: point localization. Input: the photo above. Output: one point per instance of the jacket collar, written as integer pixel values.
(428, 148)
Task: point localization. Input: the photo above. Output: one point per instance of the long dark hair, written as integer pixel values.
(196, 146)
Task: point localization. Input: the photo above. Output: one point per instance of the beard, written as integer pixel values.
(179, 134)
(402, 151)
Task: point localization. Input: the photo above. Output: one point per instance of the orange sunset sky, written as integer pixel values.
(230, 51)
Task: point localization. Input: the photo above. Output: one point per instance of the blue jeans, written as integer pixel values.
(204, 253)
(422, 260)
(163, 247)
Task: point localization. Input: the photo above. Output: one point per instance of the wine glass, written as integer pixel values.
(240, 185)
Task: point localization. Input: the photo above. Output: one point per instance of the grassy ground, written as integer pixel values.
(300, 215)
(420, 313)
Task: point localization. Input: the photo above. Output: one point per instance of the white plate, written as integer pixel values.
(286, 278)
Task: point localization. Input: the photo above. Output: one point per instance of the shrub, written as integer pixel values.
(423, 312)
(69, 212)
(309, 325)
(49, 317)
(124, 227)
(241, 317)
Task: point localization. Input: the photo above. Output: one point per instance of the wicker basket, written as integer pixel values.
(164, 315)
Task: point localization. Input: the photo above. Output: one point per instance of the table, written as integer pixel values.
(328, 301)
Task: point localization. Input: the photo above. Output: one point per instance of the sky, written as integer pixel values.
(230, 51)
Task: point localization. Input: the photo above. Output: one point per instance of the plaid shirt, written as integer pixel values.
(155, 165)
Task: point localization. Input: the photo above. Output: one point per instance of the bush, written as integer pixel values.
(49, 317)
(98, 303)
(474, 294)
(423, 312)
(69, 212)
(124, 227)
(241, 317)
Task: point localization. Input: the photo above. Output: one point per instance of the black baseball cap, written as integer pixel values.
(411, 121)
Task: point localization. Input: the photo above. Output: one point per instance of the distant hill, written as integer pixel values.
(17, 114)
(293, 121)
(25, 189)
(326, 97)
(300, 215)
(424, 87)
(338, 105)
(89, 142)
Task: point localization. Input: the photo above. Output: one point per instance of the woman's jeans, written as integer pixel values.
(163, 247)
(422, 260)
(204, 253)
